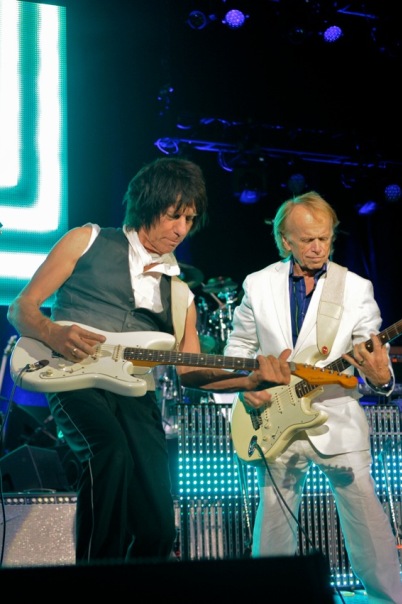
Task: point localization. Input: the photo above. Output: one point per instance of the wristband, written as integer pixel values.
(384, 388)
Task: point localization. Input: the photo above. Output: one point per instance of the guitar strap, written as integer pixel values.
(179, 291)
(331, 307)
(329, 311)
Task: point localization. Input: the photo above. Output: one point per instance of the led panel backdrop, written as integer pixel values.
(33, 145)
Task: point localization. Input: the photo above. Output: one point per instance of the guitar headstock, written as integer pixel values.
(319, 376)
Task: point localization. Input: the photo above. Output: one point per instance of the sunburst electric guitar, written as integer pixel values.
(272, 426)
(122, 359)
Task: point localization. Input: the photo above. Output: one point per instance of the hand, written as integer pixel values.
(74, 342)
(271, 372)
(373, 365)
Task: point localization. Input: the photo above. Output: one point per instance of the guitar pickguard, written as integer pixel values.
(272, 426)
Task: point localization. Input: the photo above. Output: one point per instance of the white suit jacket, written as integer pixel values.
(262, 324)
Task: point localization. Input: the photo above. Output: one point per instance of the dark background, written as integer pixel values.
(272, 95)
(338, 100)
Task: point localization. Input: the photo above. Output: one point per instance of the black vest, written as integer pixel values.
(99, 292)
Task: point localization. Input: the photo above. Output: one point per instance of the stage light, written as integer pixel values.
(392, 193)
(367, 208)
(197, 19)
(249, 184)
(249, 196)
(332, 34)
(235, 19)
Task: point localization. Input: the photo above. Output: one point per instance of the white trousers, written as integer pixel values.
(369, 540)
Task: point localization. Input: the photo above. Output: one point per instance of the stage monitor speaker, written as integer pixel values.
(40, 530)
(32, 468)
(287, 579)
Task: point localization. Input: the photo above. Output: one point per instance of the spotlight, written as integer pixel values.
(197, 20)
(249, 196)
(332, 34)
(234, 19)
(367, 208)
(249, 184)
(392, 193)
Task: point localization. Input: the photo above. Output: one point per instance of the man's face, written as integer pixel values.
(168, 231)
(308, 237)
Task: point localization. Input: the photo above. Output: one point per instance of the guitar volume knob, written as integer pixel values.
(46, 373)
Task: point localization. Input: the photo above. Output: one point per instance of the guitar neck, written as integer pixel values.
(150, 358)
(385, 336)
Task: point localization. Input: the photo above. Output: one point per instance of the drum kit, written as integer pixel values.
(215, 307)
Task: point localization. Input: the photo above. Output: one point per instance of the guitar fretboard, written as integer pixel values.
(163, 357)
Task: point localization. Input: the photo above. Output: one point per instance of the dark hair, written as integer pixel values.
(165, 182)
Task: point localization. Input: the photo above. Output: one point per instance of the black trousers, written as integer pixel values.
(124, 501)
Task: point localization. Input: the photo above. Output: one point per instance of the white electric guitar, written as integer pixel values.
(271, 427)
(122, 359)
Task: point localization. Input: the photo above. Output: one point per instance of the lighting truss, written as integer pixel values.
(173, 145)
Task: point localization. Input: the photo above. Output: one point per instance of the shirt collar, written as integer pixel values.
(317, 275)
(166, 263)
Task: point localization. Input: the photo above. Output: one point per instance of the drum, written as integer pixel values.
(215, 325)
(221, 324)
(208, 343)
(206, 331)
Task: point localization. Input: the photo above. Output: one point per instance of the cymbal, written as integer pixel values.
(218, 285)
(190, 275)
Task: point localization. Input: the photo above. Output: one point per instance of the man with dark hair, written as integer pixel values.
(112, 280)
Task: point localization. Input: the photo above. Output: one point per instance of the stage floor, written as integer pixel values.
(348, 597)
